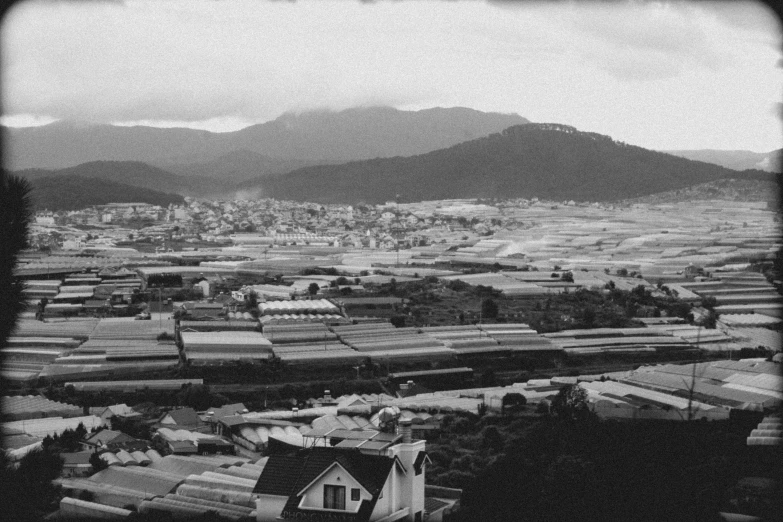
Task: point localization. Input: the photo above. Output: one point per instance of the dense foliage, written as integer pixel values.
(27, 490)
(15, 218)
(576, 467)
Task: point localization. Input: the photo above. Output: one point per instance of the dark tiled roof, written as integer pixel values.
(420, 459)
(431, 505)
(287, 475)
(103, 436)
(182, 446)
(233, 420)
(184, 416)
(81, 457)
(280, 475)
(227, 410)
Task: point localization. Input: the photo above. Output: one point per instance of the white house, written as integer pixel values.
(365, 481)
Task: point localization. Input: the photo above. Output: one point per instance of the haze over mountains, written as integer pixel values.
(734, 159)
(237, 166)
(312, 137)
(483, 157)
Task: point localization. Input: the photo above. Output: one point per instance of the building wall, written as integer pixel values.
(336, 476)
(269, 507)
(409, 487)
(388, 501)
(79, 470)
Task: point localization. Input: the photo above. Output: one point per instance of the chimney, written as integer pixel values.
(405, 430)
(327, 395)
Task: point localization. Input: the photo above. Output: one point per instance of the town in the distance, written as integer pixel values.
(357, 356)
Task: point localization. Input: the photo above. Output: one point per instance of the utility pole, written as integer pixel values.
(397, 239)
(160, 307)
(692, 387)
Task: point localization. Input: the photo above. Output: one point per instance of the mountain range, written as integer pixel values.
(734, 159)
(133, 173)
(237, 166)
(311, 137)
(548, 161)
(430, 154)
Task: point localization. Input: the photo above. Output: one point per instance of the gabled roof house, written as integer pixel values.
(345, 484)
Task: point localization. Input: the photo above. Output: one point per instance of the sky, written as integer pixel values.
(661, 75)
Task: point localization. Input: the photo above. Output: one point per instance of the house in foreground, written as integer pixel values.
(359, 482)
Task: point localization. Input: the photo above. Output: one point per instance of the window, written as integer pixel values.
(355, 494)
(334, 497)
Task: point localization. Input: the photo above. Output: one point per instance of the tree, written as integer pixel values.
(568, 277)
(196, 396)
(97, 463)
(570, 402)
(489, 309)
(16, 210)
(512, 401)
(252, 300)
(709, 302)
(313, 288)
(36, 472)
(398, 321)
(488, 378)
(710, 320)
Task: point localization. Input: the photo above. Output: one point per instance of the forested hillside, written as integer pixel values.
(547, 161)
(77, 192)
(134, 173)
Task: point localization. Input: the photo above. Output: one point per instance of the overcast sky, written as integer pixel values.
(662, 75)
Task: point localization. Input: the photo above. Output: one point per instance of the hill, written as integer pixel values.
(77, 192)
(352, 134)
(134, 173)
(373, 132)
(734, 159)
(736, 189)
(548, 161)
(238, 165)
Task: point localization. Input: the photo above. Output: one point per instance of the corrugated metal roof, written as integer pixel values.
(149, 482)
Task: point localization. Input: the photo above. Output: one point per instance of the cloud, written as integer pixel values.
(199, 62)
(650, 40)
(752, 16)
(169, 62)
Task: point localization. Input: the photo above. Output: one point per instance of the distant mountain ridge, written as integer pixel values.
(549, 161)
(133, 173)
(352, 134)
(77, 192)
(734, 159)
(238, 165)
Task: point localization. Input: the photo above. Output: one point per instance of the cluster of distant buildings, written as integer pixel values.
(371, 226)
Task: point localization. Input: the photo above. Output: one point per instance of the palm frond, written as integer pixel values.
(16, 210)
